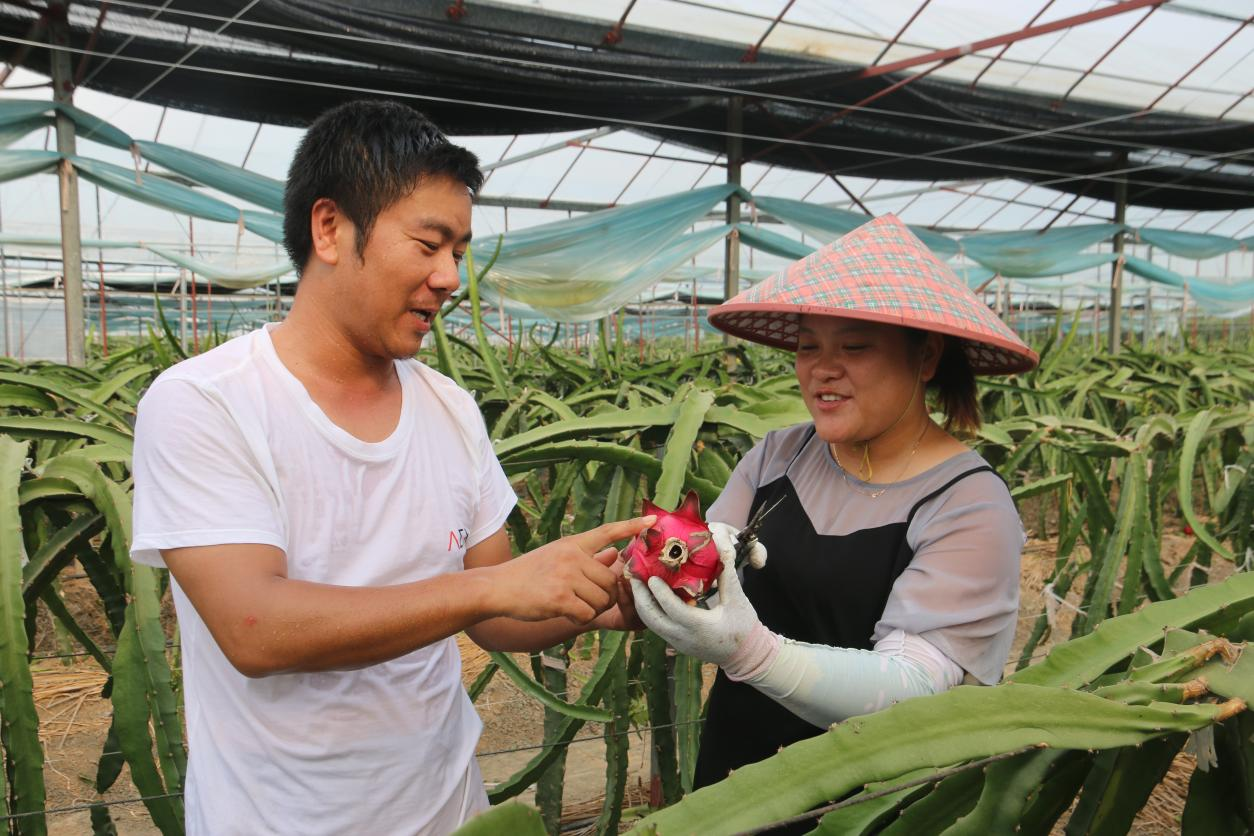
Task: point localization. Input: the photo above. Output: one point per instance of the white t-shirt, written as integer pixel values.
(230, 448)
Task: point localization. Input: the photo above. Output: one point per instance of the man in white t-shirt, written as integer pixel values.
(332, 514)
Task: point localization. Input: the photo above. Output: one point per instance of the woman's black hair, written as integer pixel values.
(953, 383)
(366, 155)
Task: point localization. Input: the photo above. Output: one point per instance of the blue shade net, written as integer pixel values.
(585, 267)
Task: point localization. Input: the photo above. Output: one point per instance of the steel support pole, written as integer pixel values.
(71, 234)
(1184, 316)
(735, 155)
(183, 307)
(1008, 38)
(1116, 275)
(4, 294)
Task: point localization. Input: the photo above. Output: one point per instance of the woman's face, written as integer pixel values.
(858, 377)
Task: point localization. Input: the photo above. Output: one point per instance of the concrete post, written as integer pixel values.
(1116, 275)
(71, 234)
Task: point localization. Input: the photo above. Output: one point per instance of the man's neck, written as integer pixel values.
(312, 345)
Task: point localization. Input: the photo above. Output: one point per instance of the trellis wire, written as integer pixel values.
(78, 808)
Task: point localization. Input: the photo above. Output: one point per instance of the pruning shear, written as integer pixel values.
(745, 539)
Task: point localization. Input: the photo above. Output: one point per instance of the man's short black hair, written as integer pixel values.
(366, 155)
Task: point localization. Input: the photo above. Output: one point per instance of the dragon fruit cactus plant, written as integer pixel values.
(677, 548)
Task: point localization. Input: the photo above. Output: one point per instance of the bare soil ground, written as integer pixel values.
(74, 720)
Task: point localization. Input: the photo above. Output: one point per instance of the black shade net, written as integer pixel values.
(503, 70)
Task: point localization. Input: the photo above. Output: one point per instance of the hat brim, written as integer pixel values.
(777, 324)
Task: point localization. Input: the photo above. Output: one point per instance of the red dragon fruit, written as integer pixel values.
(676, 548)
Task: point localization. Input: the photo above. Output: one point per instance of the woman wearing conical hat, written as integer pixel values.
(894, 548)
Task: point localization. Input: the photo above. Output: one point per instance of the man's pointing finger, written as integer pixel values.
(593, 540)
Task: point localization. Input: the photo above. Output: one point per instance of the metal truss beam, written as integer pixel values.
(900, 32)
(1008, 38)
(1106, 54)
(1005, 47)
(1204, 59)
(751, 54)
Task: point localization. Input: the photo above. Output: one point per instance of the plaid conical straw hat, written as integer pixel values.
(879, 272)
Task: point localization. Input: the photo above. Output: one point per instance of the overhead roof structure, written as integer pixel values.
(961, 116)
(930, 90)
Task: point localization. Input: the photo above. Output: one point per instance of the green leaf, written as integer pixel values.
(513, 818)
(965, 723)
(67, 428)
(56, 551)
(688, 683)
(1193, 437)
(481, 681)
(172, 340)
(1041, 486)
(444, 356)
(613, 645)
(22, 750)
(552, 664)
(42, 487)
(616, 454)
(656, 674)
(745, 420)
(1119, 784)
(1080, 661)
(952, 799)
(131, 714)
(1102, 581)
(536, 691)
(616, 420)
(25, 397)
(68, 394)
(483, 347)
(142, 683)
(866, 815)
(692, 406)
(1006, 793)
(1209, 809)
(561, 410)
(59, 611)
(616, 751)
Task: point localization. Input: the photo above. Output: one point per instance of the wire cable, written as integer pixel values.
(1110, 175)
(1015, 135)
(190, 53)
(90, 76)
(736, 12)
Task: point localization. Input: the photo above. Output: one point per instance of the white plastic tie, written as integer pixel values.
(1063, 601)
(139, 181)
(1201, 745)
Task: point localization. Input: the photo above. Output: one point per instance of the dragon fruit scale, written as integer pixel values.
(677, 548)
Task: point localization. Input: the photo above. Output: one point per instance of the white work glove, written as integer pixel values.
(725, 541)
(712, 635)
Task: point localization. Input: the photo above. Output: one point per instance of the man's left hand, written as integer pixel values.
(621, 616)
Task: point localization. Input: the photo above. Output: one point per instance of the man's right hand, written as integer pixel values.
(569, 578)
(266, 623)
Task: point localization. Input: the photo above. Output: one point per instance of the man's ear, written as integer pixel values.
(329, 230)
(933, 348)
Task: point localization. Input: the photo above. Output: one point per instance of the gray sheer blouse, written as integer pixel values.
(960, 590)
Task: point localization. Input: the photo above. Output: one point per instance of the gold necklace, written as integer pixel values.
(878, 493)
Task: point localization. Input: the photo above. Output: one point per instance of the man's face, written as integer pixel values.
(389, 297)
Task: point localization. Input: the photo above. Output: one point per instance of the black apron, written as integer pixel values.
(821, 589)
